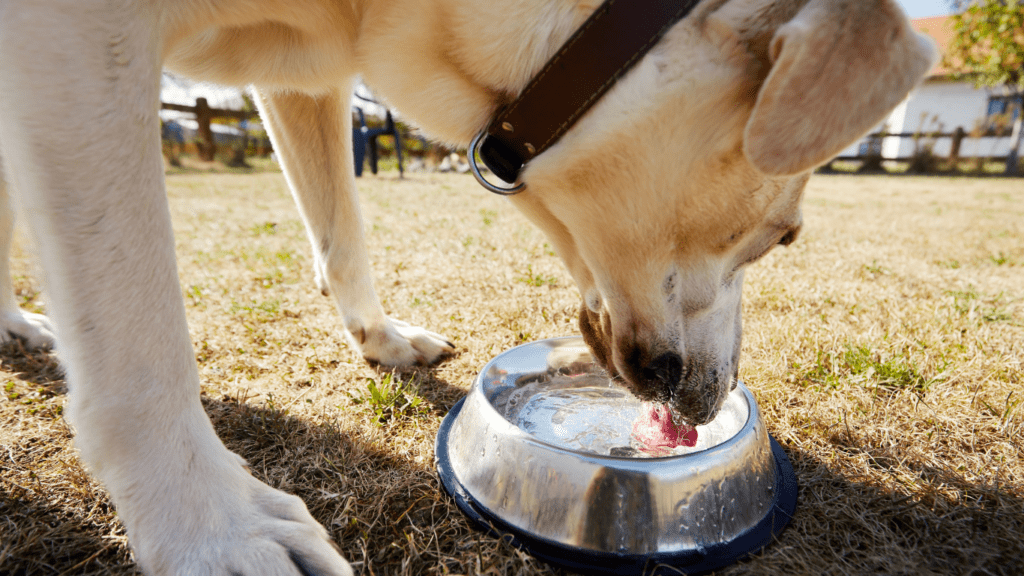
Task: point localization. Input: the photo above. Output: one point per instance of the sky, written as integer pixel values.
(925, 8)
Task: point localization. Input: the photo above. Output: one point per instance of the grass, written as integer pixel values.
(884, 347)
(390, 399)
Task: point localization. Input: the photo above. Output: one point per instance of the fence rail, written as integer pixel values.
(206, 146)
(922, 158)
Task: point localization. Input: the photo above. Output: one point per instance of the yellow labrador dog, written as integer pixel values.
(688, 169)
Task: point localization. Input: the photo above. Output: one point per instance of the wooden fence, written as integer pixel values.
(206, 146)
(923, 159)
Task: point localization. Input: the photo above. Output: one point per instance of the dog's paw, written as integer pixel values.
(35, 329)
(232, 524)
(396, 343)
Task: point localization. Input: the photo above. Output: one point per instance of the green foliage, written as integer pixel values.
(863, 366)
(537, 279)
(989, 42)
(268, 228)
(389, 400)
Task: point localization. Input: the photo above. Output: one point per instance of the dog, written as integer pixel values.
(688, 169)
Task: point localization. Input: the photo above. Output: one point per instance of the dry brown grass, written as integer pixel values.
(884, 346)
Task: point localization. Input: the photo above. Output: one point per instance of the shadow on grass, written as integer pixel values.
(382, 503)
(35, 366)
(384, 507)
(941, 524)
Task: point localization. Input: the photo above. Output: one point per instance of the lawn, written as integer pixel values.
(885, 349)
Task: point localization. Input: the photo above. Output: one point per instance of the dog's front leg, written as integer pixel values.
(312, 136)
(34, 329)
(79, 82)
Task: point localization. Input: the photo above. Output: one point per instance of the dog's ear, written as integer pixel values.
(837, 69)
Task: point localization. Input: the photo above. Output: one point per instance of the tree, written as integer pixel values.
(989, 41)
(988, 46)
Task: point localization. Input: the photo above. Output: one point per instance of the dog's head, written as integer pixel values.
(693, 167)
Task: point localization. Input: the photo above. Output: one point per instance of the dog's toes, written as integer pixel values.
(35, 329)
(239, 526)
(400, 344)
(326, 562)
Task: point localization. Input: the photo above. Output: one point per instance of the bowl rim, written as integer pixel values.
(753, 415)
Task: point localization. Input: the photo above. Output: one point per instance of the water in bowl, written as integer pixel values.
(589, 413)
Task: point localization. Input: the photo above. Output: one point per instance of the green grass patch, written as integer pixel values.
(391, 399)
(263, 310)
(979, 307)
(537, 279)
(863, 366)
(264, 229)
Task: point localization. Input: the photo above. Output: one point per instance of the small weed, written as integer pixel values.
(195, 294)
(9, 390)
(976, 306)
(268, 228)
(876, 268)
(952, 264)
(999, 259)
(391, 399)
(271, 278)
(489, 216)
(537, 279)
(523, 338)
(265, 310)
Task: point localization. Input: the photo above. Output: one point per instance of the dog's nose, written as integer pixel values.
(663, 374)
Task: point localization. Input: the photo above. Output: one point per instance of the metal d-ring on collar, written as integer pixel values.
(473, 150)
(613, 39)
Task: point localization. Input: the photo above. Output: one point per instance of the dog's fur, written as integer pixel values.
(689, 168)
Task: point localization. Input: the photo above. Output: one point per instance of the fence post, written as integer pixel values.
(954, 148)
(1015, 142)
(207, 147)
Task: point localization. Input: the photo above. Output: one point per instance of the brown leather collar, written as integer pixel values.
(605, 47)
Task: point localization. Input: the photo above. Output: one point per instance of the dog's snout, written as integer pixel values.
(663, 374)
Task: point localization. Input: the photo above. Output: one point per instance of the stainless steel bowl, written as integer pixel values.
(539, 452)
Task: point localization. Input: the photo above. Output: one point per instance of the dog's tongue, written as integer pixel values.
(655, 430)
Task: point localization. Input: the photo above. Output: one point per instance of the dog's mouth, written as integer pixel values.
(693, 389)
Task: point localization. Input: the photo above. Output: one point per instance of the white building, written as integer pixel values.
(941, 104)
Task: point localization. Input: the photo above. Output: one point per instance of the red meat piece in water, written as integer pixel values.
(655, 430)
